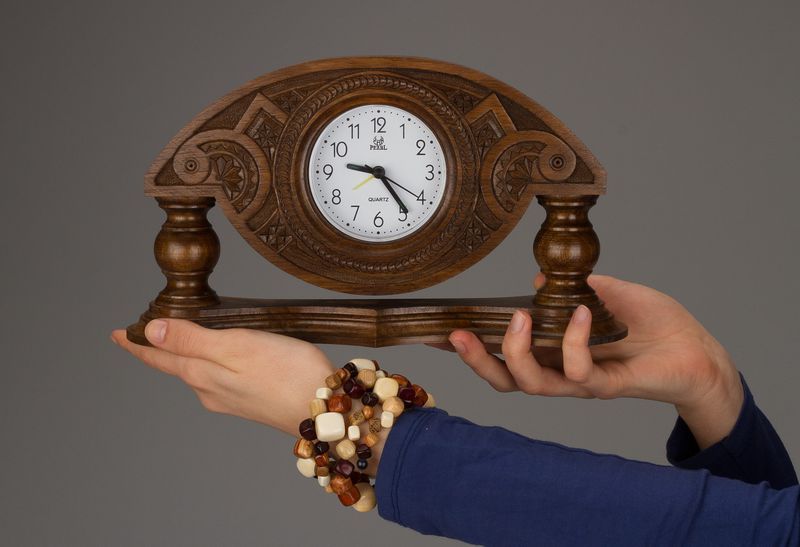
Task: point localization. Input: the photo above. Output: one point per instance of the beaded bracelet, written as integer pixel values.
(334, 418)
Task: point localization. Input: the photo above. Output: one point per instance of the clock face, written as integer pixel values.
(377, 173)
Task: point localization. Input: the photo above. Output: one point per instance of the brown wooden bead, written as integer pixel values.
(317, 407)
(303, 448)
(394, 405)
(333, 381)
(371, 439)
(321, 459)
(322, 471)
(350, 496)
(342, 374)
(340, 403)
(363, 451)
(356, 418)
(420, 395)
(402, 380)
(406, 395)
(368, 412)
(366, 378)
(346, 449)
(367, 500)
(341, 484)
(328, 489)
(375, 425)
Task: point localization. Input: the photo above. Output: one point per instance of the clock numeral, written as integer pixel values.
(378, 124)
(356, 213)
(421, 197)
(336, 197)
(339, 149)
(403, 127)
(355, 131)
(429, 176)
(420, 147)
(404, 217)
(327, 170)
(377, 218)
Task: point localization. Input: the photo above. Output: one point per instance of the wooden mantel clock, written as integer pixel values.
(377, 176)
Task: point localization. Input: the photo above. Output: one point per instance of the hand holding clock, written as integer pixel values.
(667, 356)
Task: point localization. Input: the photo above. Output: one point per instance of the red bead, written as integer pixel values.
(420, 395)
(406, 394)
(350, 496)
(307, 430)
(363, 452)
(344, 468)
(353, 388)
(402, 380)
(340, 484)
(321, 459)
(340, 403)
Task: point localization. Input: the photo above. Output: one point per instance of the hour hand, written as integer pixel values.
(362, 168)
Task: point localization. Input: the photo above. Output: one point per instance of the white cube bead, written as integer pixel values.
(354, 433)
(324, 393)
(306, 466)
(324, 481)
(380, 374)
(367, 501)
(346, 449)
(385, 388)
(364, 363)
(387, 419)
(329, 426)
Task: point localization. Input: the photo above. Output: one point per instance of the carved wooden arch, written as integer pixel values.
(245, 150)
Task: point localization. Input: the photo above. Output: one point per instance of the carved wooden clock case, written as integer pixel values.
(263, 153)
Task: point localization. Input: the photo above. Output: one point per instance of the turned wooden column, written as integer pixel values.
(566, 249)
(186, 249)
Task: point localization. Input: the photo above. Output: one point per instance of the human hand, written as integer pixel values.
(256, 375)
(667, 356)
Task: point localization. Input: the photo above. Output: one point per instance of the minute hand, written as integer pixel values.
(403, 208)
(402, 187)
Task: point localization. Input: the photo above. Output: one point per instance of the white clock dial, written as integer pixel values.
(359, 147)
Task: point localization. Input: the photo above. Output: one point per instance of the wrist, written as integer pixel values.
(712, 412)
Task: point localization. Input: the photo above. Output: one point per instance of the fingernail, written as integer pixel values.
(581, 314)
(459, 345)
(156, 331)
(517, 322)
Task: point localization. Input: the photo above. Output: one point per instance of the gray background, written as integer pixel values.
(691, 108)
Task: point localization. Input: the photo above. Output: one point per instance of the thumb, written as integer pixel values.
(185, 338)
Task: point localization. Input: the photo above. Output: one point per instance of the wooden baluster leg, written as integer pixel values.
(186, 249)
(566, 249)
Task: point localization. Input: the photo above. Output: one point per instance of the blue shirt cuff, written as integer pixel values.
(390, 468)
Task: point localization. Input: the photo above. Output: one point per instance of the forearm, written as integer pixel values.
(446, 476)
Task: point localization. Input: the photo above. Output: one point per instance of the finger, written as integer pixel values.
(528, 374)
(197, 373)
(579, 366)
(487, 366)
(538, 281)
(189, 339)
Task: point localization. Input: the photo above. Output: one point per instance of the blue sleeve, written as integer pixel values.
(446, 476)
(752, 452)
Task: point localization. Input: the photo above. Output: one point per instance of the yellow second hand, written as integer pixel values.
(363, 182)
